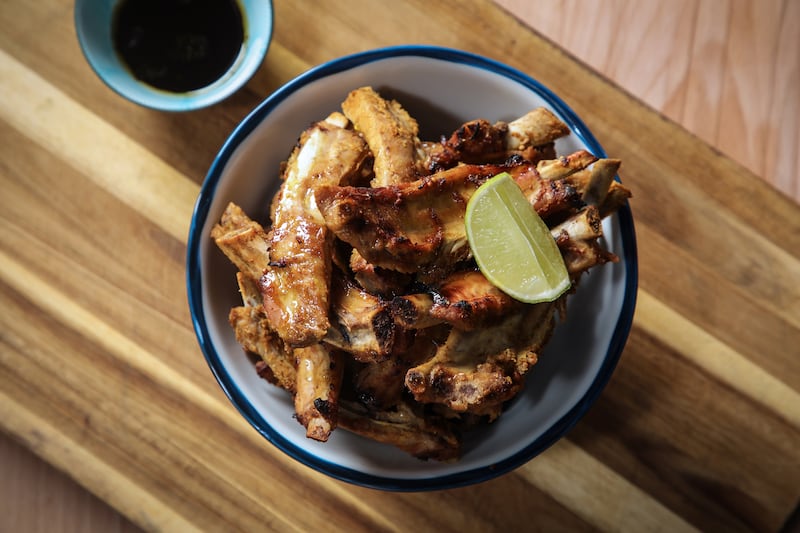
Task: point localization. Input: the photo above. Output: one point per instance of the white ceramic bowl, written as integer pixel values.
(442, 88)
(93, 25)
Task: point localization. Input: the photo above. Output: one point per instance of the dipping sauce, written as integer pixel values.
(178, 45)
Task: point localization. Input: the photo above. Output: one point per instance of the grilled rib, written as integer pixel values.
(376, 280)
(252, 333)
(362, 323)
(318, 383)
(391, 134)
(530, 137)
(406, 227)
(380, 385)
(465, 300)
(295, 288)
(477, 371)
(598, 187)
(243, 241)
(419, 226)
(536, 128)
(423, 437)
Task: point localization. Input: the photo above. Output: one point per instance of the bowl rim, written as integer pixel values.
(246, 64)
(235, 395)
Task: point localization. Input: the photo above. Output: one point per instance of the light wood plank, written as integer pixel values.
(99, 151)
(31, 484)
(603, 499)
(726, 70)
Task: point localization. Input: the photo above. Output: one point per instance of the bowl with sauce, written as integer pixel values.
(174, 55)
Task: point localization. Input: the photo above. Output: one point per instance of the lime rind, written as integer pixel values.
(512, 245)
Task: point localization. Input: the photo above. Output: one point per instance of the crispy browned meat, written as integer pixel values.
(295, 288)
(413, 311)
(419, 226)
(391, 134)
(249, 290)
(580, 256)
(376, 280)
(380, 385)
(536, 128)
(617, 196)
(551, 199)
(564, 166)
(478, 141)
(252, 332)
(243, 241)
(409, 227)
(477, 371)
(595, 182)
(465, 300)
(423, 437)
(362, 323)
(318, 384)
(598, 187)
(583, 225)
(577, 239)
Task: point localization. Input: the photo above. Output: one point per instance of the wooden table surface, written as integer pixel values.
(101, 377)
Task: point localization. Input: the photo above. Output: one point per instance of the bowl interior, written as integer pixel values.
(441, 89)
(93, 25)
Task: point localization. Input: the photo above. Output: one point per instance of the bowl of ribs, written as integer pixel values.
(332, 287)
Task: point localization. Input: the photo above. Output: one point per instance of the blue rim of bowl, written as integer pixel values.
(447, 481)
(191, 100)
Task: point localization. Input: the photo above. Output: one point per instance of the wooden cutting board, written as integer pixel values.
(101, 376)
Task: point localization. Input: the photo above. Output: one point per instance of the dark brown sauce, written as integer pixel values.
(178, 45)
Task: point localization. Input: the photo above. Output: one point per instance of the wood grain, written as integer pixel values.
(100, 374)
(726, 70)
(37, 497)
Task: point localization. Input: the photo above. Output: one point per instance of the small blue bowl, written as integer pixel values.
(93, 24)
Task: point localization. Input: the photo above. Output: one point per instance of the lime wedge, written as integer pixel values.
(512, 245)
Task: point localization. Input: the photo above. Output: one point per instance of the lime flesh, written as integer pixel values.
(512, 245)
